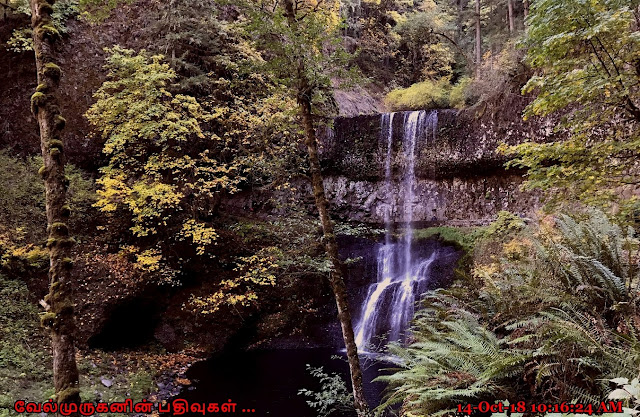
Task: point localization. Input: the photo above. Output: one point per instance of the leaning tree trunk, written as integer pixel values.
(336, 278)
(304, 93)
(44, 105)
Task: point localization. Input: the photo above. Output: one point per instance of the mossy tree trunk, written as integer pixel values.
(59, 318)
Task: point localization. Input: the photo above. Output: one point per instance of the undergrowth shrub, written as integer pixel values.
(430, 94)
(25, 364)
(552, 316)
(22, 212)
(333, 395)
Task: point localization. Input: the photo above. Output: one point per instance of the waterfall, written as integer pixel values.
(401, 278)
(387, 129)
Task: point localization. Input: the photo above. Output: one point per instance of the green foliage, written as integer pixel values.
(333, 396)
(205, 51)
(22, 197)
(427, 33)
(424, 95)
(506, 223)
(586, 54)
(96, 11)
(453, 360)
(461, 238)
(164, 174)
(254, 271)
(498, 76)
(284, 251)
(572, 342)
(131, 376)
(360, 230)
(587, 51)
(25, 369)
(554, 314)
(459, 96)
(141, 384)
(430, 95)
(21, 38)
(592, 258)
(21, 194)
(303, 52)
(401, 43)
(215, 63)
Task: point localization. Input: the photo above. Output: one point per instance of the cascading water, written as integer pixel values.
(401, 278)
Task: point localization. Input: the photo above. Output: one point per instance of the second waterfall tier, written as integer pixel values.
(401, 277)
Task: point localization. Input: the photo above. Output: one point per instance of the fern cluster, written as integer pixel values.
(553, 318)
(454, 359)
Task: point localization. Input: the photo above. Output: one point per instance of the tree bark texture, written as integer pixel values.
(478, 36)
(336, 278)
(304, 93)
(512, 20)
(59, 318)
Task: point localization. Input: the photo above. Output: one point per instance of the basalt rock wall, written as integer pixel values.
(463, 143)
(460, 177)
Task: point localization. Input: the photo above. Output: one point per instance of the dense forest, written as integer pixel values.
(319, 207)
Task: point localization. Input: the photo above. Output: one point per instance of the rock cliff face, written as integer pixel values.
(453, 201)
(460, 178)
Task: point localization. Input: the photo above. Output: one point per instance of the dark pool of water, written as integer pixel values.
(269, 381)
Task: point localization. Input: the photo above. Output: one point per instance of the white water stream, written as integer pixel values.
(401, 277)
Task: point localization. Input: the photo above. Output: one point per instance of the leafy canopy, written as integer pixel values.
(162, 174)
(21, 39)
(301, 46)
(587, 54)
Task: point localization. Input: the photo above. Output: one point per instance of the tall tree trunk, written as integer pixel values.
(478, 37)
(512, 20)
(336, 278)
(304, 93)
(44, 105)
(460, 9)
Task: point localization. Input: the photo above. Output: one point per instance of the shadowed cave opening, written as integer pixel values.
(129, 325)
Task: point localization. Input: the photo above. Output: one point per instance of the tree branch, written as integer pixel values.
(455, 44)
